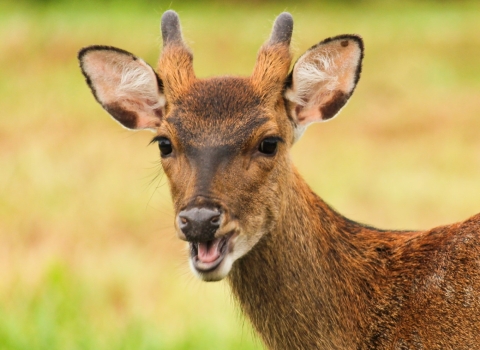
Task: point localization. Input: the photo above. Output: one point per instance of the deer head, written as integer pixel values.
(224, 141)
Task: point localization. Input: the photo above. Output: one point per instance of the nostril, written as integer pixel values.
(199, 223)
(184, 223)
(215, 220)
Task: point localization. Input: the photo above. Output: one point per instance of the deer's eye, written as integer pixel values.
(165, 146)
(269, 145)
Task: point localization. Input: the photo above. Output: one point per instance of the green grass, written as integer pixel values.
(88, 257)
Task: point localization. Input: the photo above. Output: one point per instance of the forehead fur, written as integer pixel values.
(222, 110)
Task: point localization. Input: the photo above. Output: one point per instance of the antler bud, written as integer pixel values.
(175, 66)
(171, 31)
(282, 29)
(274, 58)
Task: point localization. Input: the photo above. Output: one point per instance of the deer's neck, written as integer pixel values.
(308, 281)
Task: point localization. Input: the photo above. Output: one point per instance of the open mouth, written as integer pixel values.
(207, 256)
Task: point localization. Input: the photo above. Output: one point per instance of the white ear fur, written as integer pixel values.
(323, 79)
(124, 85)
(136, 78)
(309, 76)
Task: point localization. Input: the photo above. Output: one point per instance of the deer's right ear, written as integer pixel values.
(323, 79)
(124, 85)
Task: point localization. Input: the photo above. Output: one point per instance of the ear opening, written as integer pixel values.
(124, 85)
(323, 79)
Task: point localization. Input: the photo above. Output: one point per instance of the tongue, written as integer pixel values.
(208, 251)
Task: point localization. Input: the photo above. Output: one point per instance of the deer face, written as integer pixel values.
(224, 141)
(224, 155)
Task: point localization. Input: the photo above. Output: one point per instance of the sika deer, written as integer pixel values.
(306, 277)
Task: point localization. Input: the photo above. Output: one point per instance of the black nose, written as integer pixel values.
(199, 224)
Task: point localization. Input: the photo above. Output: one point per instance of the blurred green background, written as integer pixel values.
(88, 257)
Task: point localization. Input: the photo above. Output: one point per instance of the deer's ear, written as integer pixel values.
(324, 78)
(124, 85)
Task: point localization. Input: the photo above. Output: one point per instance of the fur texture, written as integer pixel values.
(320, 281)
(135, 79)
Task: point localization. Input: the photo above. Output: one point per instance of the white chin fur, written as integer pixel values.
(216, 275)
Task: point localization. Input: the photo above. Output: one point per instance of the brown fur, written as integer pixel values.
(308, 278)
(175, 69)
(273, 63)
(319, 281)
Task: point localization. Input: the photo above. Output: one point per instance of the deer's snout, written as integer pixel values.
(199, 224)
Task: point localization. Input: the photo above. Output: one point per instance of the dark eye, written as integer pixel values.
(268, 146)
(165, 146)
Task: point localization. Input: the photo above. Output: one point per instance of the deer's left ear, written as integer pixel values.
(323, 79)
